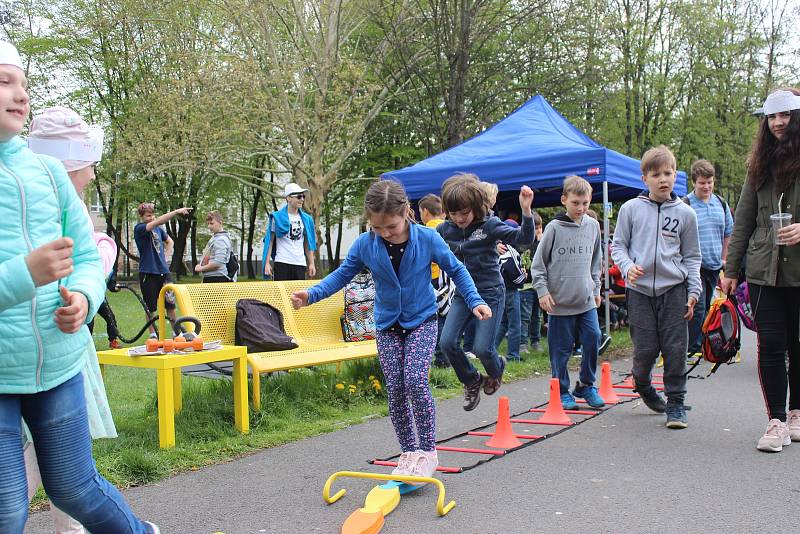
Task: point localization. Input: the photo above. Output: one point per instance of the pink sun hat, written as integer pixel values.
(63, 134)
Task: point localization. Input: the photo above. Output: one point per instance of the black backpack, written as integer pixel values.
(232, 266)
(259, 327)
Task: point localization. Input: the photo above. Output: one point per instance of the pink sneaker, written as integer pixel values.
(405, 464)
(793, 422)
(426, 464)
(775, 438)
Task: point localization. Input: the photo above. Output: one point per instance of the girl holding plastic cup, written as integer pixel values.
(767, 229)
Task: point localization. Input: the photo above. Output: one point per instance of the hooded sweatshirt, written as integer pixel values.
(661, 238)
(476, 246)
(218, 249)
(567, 264)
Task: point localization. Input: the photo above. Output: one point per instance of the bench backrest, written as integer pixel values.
(215, 306)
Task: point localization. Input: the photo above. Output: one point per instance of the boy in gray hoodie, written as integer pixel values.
(657, 249)
(566, 276)
(217, 252)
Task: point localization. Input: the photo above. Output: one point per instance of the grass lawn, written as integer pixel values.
(295, 405)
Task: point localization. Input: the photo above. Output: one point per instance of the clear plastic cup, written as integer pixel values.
(780, 220)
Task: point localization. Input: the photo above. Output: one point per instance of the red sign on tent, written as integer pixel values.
(593, 171)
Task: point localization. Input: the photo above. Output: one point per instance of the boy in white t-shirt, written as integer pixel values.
(290, 240)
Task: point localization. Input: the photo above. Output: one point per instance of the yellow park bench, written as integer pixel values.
(316, 329)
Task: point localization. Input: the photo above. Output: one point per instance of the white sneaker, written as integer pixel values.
(153, 527)
(471, 356)
(775, 438)
(405, 464)
(793, 422)
(426, 464)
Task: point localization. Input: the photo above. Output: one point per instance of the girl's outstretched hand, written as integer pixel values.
(72, 315)
(482, 312)
(526, 200)
(299, 299)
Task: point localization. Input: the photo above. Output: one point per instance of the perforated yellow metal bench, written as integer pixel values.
(316, 329)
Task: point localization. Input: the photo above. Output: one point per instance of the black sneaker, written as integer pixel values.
(491, 385)
(676, 416)
(441, 364)
(472, 394)
(652, 399)
(604, 344)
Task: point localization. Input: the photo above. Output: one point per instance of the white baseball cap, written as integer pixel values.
(9, 55)
(779, 101)
(292, 188)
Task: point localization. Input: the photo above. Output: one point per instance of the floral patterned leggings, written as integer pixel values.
(405, 361)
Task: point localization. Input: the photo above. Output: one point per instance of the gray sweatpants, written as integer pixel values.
(657, 327)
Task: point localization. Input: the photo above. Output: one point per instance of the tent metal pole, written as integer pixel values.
(605, 255)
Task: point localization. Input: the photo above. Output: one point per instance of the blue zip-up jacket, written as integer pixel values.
(34, 354)
(409, 299)
(476, 246)
(279, 223)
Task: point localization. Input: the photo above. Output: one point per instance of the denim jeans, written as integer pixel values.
(530, 316)
(469, 334)
(708, 283)
(562, 333)
(510, 324)
(60, 429)
(485, 331)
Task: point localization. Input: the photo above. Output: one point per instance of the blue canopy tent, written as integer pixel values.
(534, 146)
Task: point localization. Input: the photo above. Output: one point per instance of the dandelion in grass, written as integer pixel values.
(372, 377)
(339, 386)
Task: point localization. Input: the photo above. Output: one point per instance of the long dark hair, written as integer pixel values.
(773, 157)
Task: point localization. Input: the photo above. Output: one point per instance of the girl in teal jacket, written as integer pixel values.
(51, 284)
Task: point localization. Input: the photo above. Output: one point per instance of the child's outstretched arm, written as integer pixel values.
(447, 261)
(351, 266)
(525, 234)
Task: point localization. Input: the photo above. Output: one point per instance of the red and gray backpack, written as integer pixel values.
(721, 333)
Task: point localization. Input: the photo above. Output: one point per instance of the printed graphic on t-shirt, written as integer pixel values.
(477, 235)
(158, 243)
(296, 231)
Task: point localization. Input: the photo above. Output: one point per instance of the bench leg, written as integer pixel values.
(256, 390)
(166, 408)
(241, 414)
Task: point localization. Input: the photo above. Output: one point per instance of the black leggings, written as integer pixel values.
(107, 314)
(777, 317)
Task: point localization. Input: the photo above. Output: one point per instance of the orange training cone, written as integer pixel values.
(504, 437)
(554, 413)
(606, 388)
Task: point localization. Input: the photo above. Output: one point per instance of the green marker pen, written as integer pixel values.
(63, 231)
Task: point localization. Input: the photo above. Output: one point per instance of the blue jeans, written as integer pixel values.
(510, 324)
(485, 331)
(469, 334)
(708, 283)
(60, 429)
(562, 333)
(530, 316)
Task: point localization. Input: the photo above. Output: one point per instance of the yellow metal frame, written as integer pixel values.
(316, 329)
(441, 508)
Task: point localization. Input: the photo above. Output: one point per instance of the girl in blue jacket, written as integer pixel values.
(399, 255)
(51, 284)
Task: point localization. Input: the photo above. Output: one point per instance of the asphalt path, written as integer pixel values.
(621, 471)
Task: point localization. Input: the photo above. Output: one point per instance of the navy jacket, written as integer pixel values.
(409, 299)
(476, 246)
